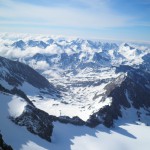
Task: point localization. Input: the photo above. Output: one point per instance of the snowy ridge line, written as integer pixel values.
(22, 112)
(85, 50)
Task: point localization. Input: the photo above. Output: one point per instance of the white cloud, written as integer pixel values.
(42, 65)
(98, 15)
(15, 53)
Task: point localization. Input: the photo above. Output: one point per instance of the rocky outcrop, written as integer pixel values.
(74, 120)
(36, 121)
(132, 91)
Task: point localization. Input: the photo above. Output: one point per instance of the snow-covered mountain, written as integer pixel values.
(17, 82)
(82, 82)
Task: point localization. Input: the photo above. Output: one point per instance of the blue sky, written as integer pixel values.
(101, 19)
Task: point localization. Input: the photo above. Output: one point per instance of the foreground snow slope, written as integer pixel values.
(123, 137)
(126, 135)
(69, 137)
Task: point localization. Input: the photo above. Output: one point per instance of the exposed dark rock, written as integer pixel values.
(16, 73)
(105, 115)
(130, 91)
(74, 120)
(36, 121)
(16, 91)
(137, 85)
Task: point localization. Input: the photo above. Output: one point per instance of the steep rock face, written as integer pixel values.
(3, 145)
(137, 87)
(146, 63)
(16, 73)
(132, 91)
(36, 121)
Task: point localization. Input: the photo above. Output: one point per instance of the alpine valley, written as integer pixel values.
(60, 93)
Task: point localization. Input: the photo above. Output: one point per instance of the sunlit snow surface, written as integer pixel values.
(16, 106)
(126, 135)
(78, 100)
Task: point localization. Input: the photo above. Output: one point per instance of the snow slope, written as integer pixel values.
(82, 95)
(123, 137)
(69, 137)
(18, 137)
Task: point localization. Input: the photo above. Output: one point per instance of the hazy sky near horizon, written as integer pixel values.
(103, 19)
